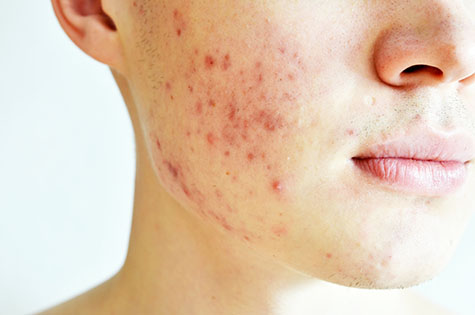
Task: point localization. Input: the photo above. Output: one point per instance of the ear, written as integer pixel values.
(91, 29)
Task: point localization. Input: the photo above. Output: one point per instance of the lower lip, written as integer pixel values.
(415, 176)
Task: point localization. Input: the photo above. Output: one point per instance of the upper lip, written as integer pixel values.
(424, 145)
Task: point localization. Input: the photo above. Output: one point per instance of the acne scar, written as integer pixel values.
(221, 220)
(158, 144)
(172, 169)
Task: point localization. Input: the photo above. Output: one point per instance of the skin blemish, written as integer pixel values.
(277, 186)
(185, 190)
(212, 103)
(190, 88)
(158, 144)
(250, 156)
(199, 107)
(221, 220)
(328, 255)
(179, 22)
(226, 62)
(168, 86)
(246, 238)
(279, 230)
(209, 62)
(226, 153)
(268, 120)
(211, 138)
(350, 132)
(172, 169)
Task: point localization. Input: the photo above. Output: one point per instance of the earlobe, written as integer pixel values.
(91, 29)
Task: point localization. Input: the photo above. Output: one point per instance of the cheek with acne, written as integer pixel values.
(239, 107)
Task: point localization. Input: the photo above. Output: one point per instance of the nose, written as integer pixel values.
(434, 48)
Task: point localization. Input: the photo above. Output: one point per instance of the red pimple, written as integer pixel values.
(290, 76)
(282, 50)
(250, 156)
(212, 103)
(168, 86)
(329, 255)
(190, 88)
(199, 107)
(175, 13)
(188, 133)
(277, 186)
(196, 51)
(350, 132)
(210, 137)
(185, 190)
(226, 153)
(246, 237)
(209, 62)
(135, 4)
(260, 77)
(178, 32)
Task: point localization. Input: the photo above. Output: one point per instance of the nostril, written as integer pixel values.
(424, 68)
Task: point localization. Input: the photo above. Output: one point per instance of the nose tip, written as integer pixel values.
(427, 54)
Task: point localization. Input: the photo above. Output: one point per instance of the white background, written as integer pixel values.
(67, 166)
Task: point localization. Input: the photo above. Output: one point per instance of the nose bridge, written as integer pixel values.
(433, 45)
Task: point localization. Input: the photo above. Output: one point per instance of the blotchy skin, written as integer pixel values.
(252, 111)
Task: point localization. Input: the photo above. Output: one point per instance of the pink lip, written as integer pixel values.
(424, 163)
(418, 176)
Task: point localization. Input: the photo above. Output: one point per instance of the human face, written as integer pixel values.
(253, 110)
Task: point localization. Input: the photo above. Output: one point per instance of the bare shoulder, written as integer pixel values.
(419, 304)
(90, 302)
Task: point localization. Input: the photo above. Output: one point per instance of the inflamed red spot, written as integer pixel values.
(277, 186)
(209, 62)
(211, 138)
